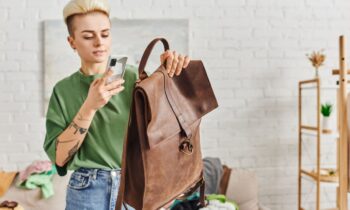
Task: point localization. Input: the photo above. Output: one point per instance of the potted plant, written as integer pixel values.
(317, 59)
(326, 111)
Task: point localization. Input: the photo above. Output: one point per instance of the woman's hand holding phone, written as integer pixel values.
(100, 92)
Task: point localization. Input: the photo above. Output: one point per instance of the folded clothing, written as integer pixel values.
(41, 180)
(36, 167)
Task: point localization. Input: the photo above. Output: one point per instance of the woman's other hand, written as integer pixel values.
(175, 62)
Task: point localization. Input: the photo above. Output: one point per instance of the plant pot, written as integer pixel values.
(326, 127)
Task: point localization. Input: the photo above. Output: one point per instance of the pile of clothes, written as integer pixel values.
(219, 202)
(38, 175)
(214, 202)
(215, 175)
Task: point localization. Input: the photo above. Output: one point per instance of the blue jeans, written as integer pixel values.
(93, 189)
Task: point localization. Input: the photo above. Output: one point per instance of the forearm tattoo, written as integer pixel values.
(77, 128)
(72, 152)
(58, 141)
(75, 148)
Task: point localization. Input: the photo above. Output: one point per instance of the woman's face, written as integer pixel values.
(91, 37)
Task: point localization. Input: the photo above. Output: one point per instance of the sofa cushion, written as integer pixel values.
(243, 189)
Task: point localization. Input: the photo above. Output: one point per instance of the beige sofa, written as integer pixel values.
(243, 188)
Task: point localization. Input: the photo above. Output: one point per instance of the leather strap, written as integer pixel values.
(146, 54)
(201, 185)
(201, 194)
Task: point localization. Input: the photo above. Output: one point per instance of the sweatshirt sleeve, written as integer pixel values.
(55, 125)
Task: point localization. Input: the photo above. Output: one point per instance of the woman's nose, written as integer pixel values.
(98, 41)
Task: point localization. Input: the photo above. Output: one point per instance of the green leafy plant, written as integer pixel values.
(326, 109)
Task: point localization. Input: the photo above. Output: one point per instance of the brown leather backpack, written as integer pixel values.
(162, 158)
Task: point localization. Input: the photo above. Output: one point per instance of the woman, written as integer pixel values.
(86, 119)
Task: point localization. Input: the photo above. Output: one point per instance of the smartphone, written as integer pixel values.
(117, 65)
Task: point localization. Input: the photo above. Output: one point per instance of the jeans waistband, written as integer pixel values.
(98, 171)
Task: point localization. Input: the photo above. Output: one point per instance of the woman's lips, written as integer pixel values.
(99, 52)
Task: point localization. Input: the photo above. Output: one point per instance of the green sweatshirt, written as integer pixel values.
(103, 144)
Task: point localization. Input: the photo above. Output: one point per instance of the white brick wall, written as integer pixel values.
(254, 52)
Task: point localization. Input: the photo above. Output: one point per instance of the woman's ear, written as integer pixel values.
(71, 42)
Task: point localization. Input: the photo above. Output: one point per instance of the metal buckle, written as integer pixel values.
(186, 147)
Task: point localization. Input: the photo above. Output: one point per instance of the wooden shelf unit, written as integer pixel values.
(315, 131)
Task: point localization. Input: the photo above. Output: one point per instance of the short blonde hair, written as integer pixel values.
(80, 7)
